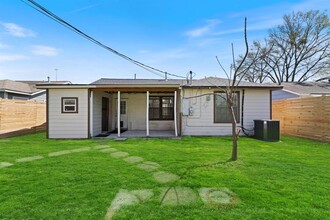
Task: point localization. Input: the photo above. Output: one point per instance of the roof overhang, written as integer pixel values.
(238, 87)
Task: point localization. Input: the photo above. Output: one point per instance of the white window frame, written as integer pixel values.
(75, 105)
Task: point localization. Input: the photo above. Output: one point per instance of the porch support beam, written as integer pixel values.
(175, 116)
(91, 106)
(118, 113)
(147, 115)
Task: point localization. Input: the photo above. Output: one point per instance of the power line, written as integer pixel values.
(33, 4)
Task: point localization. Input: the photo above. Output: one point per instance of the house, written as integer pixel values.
(152, 107)
(24, 90)
(302, 89)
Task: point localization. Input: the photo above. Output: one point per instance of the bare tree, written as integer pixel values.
(295, 51)
(237, 73)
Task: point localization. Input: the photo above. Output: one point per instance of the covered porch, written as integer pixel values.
(143, 112)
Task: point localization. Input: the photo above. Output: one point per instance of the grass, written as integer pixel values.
(285, 180)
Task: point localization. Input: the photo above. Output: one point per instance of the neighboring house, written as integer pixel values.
(150, 105)
(24, 90)
(302, 89)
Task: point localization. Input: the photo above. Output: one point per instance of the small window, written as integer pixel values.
(221, 111)
(123, 107)
(69, 105)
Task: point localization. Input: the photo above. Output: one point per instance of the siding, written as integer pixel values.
(256, 106)
(68, 125)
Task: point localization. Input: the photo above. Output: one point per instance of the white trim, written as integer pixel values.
(147, 114)
(118, 114)
(91, 100)
(110, 86)
(175, 119)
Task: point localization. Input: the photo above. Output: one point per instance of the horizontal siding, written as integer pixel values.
(68, 125)
(256, 106)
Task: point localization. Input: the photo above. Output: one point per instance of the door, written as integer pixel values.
(105, 114)
(123, 114)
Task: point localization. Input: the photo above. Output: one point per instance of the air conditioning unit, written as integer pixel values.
(267, 130)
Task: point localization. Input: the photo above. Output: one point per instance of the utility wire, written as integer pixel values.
(59, 20)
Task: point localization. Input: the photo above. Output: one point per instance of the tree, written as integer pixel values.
(295, 51)
(237, 73)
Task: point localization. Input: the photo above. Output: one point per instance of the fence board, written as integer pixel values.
(304, 117)
(21, 117)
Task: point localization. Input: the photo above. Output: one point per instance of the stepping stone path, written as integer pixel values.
(119, 154)
(177, 196)
(64, 152)
(148, 166)
(134, 159)
(59, 153)
(218, 196)
(165, 177)
(100, 147)
(171, 196)
(5, 164)
(107, 150)
(126, 198)
(27, 159)
(80, 149)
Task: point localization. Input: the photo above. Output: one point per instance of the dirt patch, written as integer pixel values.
(119, 154)
(218, 196)
(27, 159)
(165, 177)
(101, 147)
(5, 164)
(133, 159)
(126, 198)
(177, 196)
(80, 149)
(107, 150)
(148, 166)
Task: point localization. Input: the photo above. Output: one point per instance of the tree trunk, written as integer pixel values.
(235, 139)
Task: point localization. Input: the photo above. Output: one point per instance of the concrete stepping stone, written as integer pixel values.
(107, 150)
(177, 196)
(80, 149)
(134, 159)
(59, 153)
(165, 177)
(126, 198)
(5, 164)
(27, 159)
(148, 166)
(100, 147)
(217, 196)
(119, 154)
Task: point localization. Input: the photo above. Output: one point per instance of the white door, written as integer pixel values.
(123, 114)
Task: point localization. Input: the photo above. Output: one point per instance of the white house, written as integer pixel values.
(151, 107)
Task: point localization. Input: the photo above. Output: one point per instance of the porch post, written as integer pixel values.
(175, 118)
(91, 106)
(118, 114)
(147, 114)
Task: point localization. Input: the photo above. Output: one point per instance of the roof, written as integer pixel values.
(221, 82)
(206, 82)
(27, 87)
(307, 88)
(107, 81)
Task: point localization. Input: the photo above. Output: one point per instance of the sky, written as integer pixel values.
(173, 36)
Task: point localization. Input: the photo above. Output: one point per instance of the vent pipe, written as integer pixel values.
(48, 79)
(190, 77)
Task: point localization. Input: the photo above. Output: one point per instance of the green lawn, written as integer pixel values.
(285, 180)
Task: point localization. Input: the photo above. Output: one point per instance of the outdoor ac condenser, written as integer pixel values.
(267, 130)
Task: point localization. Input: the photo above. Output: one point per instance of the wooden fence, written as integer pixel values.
(304, 117)
(21, 117)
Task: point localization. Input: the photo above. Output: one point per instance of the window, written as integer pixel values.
(161, 108)
(69, 105)
(123, 107)
(221, 111)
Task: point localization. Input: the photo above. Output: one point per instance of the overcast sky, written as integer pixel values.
(174, 36)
